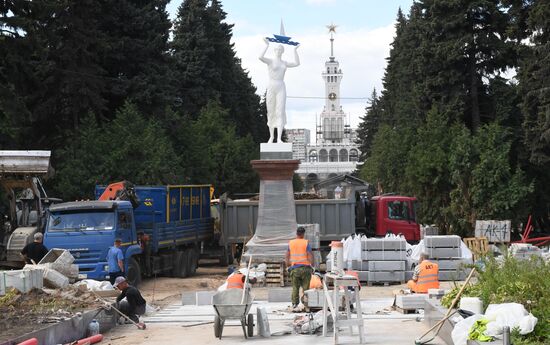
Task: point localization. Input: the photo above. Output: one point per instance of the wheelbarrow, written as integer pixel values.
(228, 306)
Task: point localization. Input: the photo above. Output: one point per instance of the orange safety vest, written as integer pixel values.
(298, 252)
(315, 282)
(428, 276)
(235, 281)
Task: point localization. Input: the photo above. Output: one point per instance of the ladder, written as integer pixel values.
(333, 301)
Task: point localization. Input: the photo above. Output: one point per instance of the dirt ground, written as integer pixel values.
(24, 313)
(163, 291)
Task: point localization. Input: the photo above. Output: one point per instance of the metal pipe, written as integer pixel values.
(506, 335)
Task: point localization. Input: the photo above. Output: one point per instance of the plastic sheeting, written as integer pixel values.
(276, 221)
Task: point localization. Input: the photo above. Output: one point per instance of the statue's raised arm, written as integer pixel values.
(262, 57)
(296, 62)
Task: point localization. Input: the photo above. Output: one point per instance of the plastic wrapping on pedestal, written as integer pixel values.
(276, 221)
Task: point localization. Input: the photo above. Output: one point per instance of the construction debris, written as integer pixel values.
(23, 313)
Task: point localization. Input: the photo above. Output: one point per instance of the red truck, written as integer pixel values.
(392, 214)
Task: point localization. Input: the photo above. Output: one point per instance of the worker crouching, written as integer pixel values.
(129, 302)
(298, 260)
(236, 280)
(425, 276)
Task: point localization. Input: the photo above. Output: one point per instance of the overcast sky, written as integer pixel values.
(362, 42)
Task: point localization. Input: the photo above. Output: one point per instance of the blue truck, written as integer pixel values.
(161, 234)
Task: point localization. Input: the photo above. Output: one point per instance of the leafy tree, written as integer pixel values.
(207, 68)
(131, 147)
(486, 186)
(217, 155)
(137, 60)
(297, 183)
(386, 166)
(369, 126)
(427, 169)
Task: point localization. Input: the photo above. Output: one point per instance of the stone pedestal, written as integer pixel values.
(276, 210)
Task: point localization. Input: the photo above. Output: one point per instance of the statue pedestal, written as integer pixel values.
(276, 209)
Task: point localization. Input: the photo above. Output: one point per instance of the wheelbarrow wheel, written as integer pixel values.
(250, 325)
(218, 327)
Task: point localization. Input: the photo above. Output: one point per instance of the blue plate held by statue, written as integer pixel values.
(282, 40)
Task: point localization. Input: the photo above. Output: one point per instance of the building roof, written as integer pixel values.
(345, 178)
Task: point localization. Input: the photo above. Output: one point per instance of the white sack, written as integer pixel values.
(508, 314)
(355, 250)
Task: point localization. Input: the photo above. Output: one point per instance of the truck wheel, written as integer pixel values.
(192, 262)
(134, 272)
(226, 258)
(184, 266)
(176, 267)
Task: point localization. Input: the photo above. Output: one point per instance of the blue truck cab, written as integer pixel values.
(161, 235)
(88, 229)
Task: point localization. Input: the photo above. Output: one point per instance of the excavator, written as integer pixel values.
(122, 190)
(21, 174)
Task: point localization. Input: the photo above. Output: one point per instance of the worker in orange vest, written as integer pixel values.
(299, 258)
(315, 282)
(425, 276)
(236, 280)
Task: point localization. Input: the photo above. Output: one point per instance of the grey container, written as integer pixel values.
(453, 275)
(444, 253)
(386, 265)
(384, 255)
(382, 277)
(360, 265)
(447, 241)
(363, 276)
(384, 244)
(412, 301)
(450, 264)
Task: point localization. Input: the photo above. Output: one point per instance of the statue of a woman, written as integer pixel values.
(276, 90)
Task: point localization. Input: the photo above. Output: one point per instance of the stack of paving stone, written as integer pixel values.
(313, 235)
(446, 251)
(383, 260)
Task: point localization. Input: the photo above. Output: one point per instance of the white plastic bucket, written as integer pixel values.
(472, 304)
(337, 256)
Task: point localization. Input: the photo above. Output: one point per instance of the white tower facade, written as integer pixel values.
(334, 151)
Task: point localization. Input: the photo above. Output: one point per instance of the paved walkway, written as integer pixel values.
(193, 324)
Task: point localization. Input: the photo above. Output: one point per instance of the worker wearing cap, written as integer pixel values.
(35, 251)
(298, 260)
(115, 260)
(237, 279)
(425, 276)
(129, 302)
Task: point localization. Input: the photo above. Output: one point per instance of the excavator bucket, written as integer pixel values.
(30, 163)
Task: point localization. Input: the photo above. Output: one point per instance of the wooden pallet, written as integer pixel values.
(276, 275)
(478, 245)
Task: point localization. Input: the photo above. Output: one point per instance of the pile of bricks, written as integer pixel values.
(446, 251)
(383, 261)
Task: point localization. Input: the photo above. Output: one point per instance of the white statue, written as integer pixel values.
(276, 90)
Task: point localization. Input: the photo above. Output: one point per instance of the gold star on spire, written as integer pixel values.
(332, 28)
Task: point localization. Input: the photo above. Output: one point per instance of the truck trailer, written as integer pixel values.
(160, 235)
